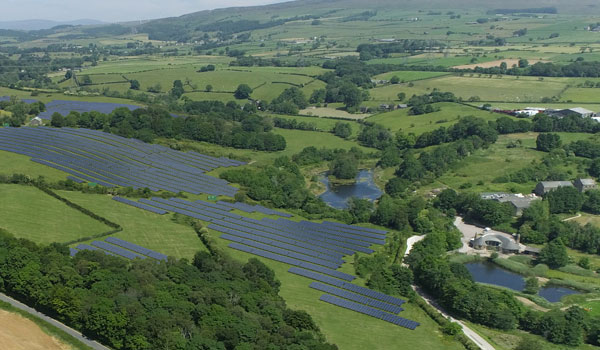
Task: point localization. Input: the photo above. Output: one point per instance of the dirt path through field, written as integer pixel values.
(18, 333)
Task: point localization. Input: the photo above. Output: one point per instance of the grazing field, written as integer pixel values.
(32, 214)
(583, 95)
(479, 170)
(418, 124)
(297, 140)
(19, 333)
(152, 231)
(409, 75)
(593, 307)
(486, 88)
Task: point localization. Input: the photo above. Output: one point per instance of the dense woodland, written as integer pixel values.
(213, 302)
(209, 121)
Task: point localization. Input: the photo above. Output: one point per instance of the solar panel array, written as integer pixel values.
(347, 304)
(120, 248)
(314, 250)
(110, 160)
(140, 205)
(65, 107)
(136, 248)
(7, 98)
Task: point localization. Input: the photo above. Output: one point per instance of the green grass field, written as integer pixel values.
(12, 163)
(32, 214)
(410, 75)
(484, 165)
(418, 124)
(501, 89)
(157, 232)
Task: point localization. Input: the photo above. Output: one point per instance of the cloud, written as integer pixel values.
(113, 10)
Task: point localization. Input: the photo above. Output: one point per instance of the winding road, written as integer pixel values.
(75, 334)
(471, 334)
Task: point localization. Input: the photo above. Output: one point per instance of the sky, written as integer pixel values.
(112, 10)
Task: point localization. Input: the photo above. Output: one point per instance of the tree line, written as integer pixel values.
(210, 303)
(210, 121)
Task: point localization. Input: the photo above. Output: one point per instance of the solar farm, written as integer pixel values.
(110, 160)
(66, 107)
(118, 247)
(314, 250)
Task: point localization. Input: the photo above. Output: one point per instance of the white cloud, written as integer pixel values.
(112, 10)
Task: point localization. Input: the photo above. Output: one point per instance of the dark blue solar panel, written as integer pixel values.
(117, 250)
(350, 305)
(136, 248)
(73, 251)
(140, 205)
(291, 261)
(274, 248)
(356, 297)
(348, 286)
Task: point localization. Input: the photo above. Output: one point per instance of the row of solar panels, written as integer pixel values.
(350, 305)
(121, 248)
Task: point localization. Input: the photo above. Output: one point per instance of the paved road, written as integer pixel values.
(470, 230)
(91, 343)
(471, 334)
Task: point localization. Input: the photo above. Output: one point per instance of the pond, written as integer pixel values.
(489, 273)
(364, 188)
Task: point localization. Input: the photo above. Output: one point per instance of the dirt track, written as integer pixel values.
(18, 333)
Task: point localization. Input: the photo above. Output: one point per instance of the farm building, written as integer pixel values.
(37, 121)
(585, 184)
(498, 242)
(518, 201)
(582, 112)
(546, 186)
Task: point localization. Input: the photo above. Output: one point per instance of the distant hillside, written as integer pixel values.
(240, 19)
(39, 24)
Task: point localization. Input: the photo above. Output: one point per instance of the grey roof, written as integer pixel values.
(556, 184)
(521, 203)
(581, 110)
(587, 182)
(505, 242)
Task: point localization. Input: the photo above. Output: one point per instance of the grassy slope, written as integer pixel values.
(487, 164)
(11, 163)
(30, 213)
(141, 227)
(417, 124)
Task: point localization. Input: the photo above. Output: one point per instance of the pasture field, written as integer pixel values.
(157, 232)
(323, 124)
(496, 88)
(347, 329)
(410, 75)
(418, 124)
(592, 306)
(484, 165)
(30, 213)
(132, 65)
(297, 140)
(584, 95)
